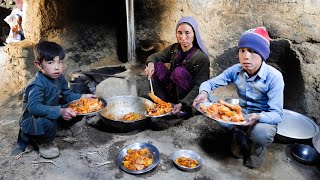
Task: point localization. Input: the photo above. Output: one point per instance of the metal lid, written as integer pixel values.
(297, 126)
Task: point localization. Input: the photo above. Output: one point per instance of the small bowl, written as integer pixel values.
(305, 154)
(232, 101)
(189, 154)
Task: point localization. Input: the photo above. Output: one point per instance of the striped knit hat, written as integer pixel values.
(258, 40)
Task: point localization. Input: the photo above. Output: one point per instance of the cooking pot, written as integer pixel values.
(305, 154)
(118, 106)
(296, 127)
(316, 141)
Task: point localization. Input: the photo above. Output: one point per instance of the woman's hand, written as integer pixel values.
(176, 109)
(67, 113)
(88, 96)
(202, 97)
(149, 70)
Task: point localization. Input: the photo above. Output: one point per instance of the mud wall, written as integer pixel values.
(292, 25)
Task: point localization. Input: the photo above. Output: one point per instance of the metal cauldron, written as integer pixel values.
(118, 106)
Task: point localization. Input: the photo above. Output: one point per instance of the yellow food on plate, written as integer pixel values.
(137, 159)
(223, 111)
(160, 107)
(187, 162)
(132, 116)
(86, 105)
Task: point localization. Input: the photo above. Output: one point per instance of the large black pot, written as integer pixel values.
(119, 106)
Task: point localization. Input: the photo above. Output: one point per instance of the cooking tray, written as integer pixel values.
(297, 126)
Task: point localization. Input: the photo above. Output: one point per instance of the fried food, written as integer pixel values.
(132, 116)
(160, 107)
(157, 100)
(137, 159)
(224, 111)
(187, 162)
(86, 105)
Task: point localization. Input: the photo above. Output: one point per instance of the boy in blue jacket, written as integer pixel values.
(41, 108)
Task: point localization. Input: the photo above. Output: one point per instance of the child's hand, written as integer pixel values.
(202, 97)
(252, 119)
(88, 96)
(67, 113)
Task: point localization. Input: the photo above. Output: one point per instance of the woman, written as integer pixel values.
(178, 70)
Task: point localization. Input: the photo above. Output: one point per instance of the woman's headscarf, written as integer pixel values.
(190, 20)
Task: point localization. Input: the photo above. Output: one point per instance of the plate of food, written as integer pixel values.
(223, 112)
(86, 106)
(186, 160)
(160, 108)
(138, 158)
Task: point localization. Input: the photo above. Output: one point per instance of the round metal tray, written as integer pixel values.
(297, 126)
(152, 149)
(104, 103)
(206, 104)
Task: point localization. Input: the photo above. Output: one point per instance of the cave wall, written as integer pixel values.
(221, 23)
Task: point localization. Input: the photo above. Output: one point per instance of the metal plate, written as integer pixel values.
(104, 103)
(152, 149)
(206, 104)
(297, 126)
(316, 141)
(189, 154)
(161, 115)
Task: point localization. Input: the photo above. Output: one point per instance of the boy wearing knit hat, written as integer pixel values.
(260, 89)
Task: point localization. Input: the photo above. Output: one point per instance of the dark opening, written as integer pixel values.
(291, 71)
(95, 19)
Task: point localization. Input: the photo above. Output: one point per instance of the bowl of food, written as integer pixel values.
(138, 158)
(186, 160)
(125, 113)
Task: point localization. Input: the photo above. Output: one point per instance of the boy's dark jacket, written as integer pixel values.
(41, 100)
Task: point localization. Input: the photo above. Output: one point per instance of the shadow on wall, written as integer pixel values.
(283, 58)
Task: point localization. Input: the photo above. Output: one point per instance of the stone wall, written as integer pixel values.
(221, 23)
(293, 26)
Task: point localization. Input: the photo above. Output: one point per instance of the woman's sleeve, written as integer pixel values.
(201, 76)
(162, 56)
